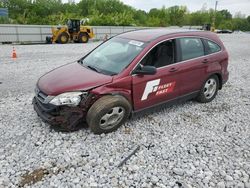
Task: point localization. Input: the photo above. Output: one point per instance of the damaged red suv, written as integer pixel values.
(129, 73)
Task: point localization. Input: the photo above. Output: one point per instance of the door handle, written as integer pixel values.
(173, 69)
(205, 61)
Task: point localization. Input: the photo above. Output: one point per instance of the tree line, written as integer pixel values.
(116, 13)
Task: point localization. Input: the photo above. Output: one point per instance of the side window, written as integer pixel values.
(212, 47)
(191, 48)
(161, 55)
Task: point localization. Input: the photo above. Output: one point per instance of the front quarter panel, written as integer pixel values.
(119, 86)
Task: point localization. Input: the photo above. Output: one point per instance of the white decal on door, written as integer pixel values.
(153, 86)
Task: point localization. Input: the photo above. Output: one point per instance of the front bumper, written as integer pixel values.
(68, 118)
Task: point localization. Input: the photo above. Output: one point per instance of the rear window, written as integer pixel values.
(213, 47)
(191, 48)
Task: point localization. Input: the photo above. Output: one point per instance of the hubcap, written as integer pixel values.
(84, 38)
(112, 118)
(210, 88)
(63, 39)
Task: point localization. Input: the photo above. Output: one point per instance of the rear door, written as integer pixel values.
(149, 90)
(193, 64)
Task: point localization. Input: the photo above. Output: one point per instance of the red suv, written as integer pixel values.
(129, 73)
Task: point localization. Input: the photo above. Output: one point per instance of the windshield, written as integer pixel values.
(113, 56)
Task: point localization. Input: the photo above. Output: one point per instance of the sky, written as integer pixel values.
(193, 5)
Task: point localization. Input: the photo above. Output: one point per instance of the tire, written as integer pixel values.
(63, 38)
(108, 113)
(48, 40)
(83, 38)
(209, 90)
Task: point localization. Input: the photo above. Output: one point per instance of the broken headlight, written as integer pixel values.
(69, 99)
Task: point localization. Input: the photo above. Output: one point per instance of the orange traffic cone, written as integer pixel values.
(14, 53)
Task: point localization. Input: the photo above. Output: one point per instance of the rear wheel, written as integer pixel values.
(209, 89)
(108, 113)
(63, 38)
(83, 38)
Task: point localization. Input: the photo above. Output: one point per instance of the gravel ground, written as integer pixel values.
(186, 145)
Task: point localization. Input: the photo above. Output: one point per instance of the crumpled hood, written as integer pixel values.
(71, 77)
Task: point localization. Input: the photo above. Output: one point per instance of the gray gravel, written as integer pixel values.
(188, 145)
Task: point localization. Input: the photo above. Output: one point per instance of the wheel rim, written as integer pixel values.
(112, 118)
(84, 38)
(210, 88)
(63, 38)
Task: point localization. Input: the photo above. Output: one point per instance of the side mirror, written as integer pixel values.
(145, 70)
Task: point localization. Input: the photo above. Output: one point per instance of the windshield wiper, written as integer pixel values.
(96, 69)
(93, 68)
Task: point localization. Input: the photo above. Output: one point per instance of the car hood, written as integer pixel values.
(71, 77)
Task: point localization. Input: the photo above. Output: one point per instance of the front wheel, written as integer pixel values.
(63, 38)
(108, 113)
(209, 89)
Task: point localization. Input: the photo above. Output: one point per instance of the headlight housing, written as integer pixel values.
(69, 99)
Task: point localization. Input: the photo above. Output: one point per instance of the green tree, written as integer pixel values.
(115, 12)
(140, 17)
(225, 14)
(241, 24)
(176, 15)
(248, 19)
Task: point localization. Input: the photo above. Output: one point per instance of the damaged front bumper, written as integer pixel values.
(68, 118)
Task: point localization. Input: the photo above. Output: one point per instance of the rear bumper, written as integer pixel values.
(66, 117)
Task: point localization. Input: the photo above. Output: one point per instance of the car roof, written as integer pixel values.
(148, 35)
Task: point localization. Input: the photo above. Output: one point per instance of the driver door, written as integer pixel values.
(164, 85)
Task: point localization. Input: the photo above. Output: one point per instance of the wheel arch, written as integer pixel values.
(101, 107)
(83, 32)
(121, 94)
(125, 95)
(61, 33)
(220, 80)
(219, 76)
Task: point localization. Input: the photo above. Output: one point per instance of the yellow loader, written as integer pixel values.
(73, 31)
